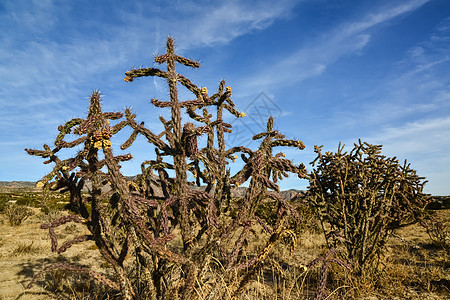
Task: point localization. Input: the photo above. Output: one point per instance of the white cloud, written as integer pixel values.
(312, 60)
(418, 86)
(308, 62)
(385, 14)
(417, 137)
(197, 24)
(218, 22)
(425, 145)
(32, 16)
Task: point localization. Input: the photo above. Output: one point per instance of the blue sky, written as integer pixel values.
(327, 70)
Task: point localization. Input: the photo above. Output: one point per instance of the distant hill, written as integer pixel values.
(29, 185)
(18, 184)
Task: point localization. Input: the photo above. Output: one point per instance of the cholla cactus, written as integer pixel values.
(361, 197)
(139, 218)
(95, 132)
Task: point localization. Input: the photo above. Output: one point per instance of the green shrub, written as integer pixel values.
(28, 199)
(16, 214)
(361, 197)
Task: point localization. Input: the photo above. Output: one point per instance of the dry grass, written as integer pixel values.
(26, 249)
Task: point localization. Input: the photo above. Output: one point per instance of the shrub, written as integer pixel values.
(361, 197)
(16, 214)
(437, 230)
(177, 239)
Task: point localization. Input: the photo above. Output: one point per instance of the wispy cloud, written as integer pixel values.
(60, 68)
(384, 14)
(197, 24)
(418, 137)
(312, 60)
(220, 22)
(424, 143)
(418, 85)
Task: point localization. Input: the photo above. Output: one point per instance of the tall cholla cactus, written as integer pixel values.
(163, 237)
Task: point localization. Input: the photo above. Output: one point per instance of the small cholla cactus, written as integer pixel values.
(361, 197)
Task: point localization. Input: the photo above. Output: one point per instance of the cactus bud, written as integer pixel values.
(204, 90)
(241, 115)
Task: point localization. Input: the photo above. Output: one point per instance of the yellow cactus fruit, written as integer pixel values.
(236, 184)
(65, 168)
(39, 184)
(241, 115)
(107, 144)
(284, 155)
(228, 89)
(98, 144)
(204, 90)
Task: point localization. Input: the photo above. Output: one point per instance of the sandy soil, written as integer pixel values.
(25, 250)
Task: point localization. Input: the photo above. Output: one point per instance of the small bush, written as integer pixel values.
(17, 214)
(438, 231)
